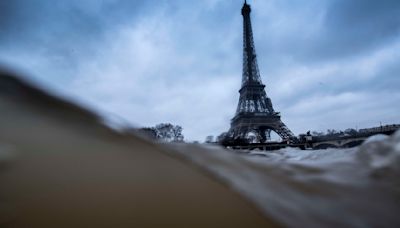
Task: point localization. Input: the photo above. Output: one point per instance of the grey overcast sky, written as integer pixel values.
(325, 63)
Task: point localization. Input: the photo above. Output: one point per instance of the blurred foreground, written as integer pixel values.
(60, 166)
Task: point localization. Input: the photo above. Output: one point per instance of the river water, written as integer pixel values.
(357, 187)
(43, 138)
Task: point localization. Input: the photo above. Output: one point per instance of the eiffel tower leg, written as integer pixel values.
(284, 132)
(265, 134)
(268, 134)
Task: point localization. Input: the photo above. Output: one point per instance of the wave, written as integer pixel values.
(357, 187)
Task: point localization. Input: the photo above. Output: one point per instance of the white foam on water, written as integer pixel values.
(355, 187)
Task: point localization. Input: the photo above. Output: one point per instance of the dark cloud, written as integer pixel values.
(318, 31)
(180, 61)
(63, 33)
(355, 27)
(58, 23)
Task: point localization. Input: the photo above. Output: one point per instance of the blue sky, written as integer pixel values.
(325, 63)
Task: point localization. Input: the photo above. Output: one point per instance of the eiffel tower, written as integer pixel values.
(254, 112)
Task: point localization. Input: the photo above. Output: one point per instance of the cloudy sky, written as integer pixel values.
(325, 63)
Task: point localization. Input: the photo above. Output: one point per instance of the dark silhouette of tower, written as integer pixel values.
(255, 112)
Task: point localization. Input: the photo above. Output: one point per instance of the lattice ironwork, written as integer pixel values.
(250, 74)
(255, 112)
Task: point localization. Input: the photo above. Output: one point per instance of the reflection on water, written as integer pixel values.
(358, 187)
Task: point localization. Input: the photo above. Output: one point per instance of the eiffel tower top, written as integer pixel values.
(246, 8)
(250, 74)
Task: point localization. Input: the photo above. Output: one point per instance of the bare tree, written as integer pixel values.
(351, 132)
(331, 132)
(317, 133)
(169, 133)
(177, 134)
(209, 139)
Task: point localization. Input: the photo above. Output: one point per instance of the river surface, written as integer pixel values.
(357, 187)
(48, 145)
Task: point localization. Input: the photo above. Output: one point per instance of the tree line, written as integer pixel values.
(223, 137)
(165, 132)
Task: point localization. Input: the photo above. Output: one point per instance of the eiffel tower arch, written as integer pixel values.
(255, 112)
